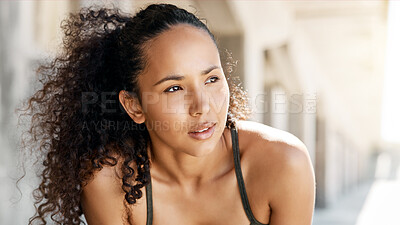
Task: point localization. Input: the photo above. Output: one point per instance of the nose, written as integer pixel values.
(199, 103)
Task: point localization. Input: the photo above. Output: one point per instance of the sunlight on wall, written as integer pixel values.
(382, 204)
(390, 129)
(383, 201)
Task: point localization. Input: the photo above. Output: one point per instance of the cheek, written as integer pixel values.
(163, 115)
(220, 99)
(174, 104)
(166, 106)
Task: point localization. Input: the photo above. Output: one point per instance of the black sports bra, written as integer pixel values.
(239, 177)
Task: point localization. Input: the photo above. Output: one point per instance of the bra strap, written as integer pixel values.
(239, 176)
(149, 203)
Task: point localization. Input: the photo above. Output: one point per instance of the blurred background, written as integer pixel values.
(326, 71)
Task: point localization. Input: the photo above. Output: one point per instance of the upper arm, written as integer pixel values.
(282, 173)
(102, 198)
(293, 197)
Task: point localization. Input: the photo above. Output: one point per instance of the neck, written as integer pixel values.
(172, 166)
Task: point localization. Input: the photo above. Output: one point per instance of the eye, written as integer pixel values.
(214, 79)
(173, 88)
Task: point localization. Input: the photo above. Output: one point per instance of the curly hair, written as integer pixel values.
(102, 52)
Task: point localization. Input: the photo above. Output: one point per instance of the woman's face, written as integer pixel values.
(182, 88)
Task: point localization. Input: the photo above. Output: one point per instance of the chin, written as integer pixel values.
(204, 148)
(200, 152)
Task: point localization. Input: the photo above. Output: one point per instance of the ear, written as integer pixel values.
(132, 107)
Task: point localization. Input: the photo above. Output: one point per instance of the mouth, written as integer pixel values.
(203, 133)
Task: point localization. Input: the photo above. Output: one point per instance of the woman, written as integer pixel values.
(140, 126)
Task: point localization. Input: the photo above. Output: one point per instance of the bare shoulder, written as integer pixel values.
(109, 175)
(259, 133)
(279, 167)
(269, 148)
(268, 143)
(103, 193)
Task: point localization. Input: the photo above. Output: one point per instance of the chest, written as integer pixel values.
(219, 208)
(220, 203)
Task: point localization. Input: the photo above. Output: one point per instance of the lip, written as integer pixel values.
(202, 126)
(205, 134)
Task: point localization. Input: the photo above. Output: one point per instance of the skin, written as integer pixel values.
(194, 181)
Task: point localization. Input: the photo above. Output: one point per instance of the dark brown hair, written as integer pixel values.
(74, 129)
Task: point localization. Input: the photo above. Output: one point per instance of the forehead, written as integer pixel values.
(182, 49)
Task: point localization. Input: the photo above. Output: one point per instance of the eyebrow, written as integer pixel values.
(180, 77)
